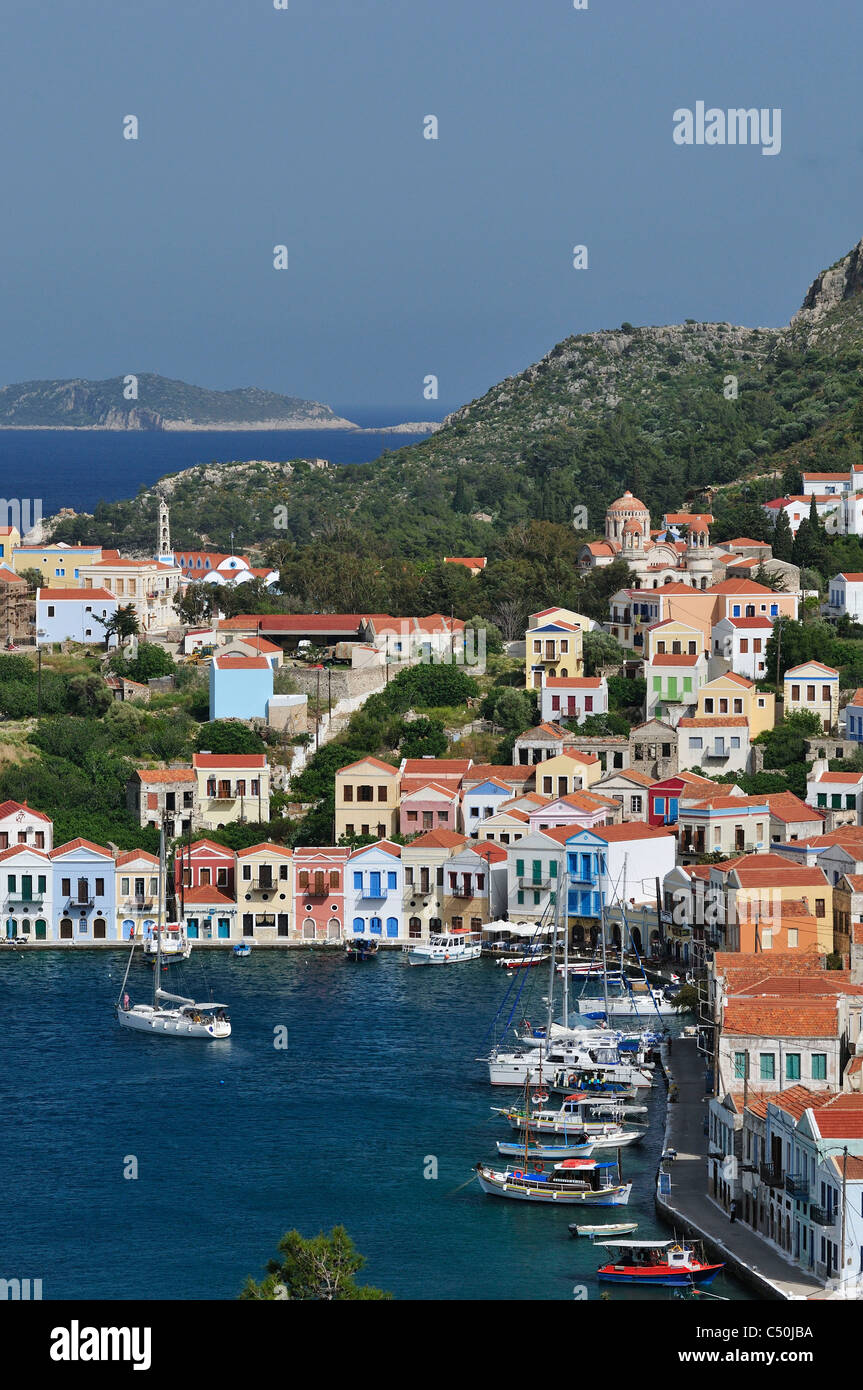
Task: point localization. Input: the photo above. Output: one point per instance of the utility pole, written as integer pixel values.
(329, 693)
(778, 649)
(39, 684)
(844, 1184)
(318, 712)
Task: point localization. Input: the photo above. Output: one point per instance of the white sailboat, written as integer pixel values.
(169, 942)
(169, 1015)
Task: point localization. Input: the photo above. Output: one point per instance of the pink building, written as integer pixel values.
(580, 809)
(432, 806)
(319, 893)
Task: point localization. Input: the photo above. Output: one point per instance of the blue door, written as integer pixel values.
(392, 926)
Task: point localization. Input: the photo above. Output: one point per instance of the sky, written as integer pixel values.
(407, 257)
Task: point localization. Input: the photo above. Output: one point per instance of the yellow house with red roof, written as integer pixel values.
(736, 695)
(813, 686)
(367, 799)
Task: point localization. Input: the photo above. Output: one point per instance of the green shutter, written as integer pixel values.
(519, 868)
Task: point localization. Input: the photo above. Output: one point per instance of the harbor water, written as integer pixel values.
(377, 1090)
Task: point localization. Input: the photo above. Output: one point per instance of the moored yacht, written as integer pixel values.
(447, 949)
(575, 1181)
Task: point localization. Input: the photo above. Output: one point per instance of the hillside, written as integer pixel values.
(161, 404)
(639, 407)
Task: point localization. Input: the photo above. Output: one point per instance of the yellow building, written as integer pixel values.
(813, 686)
(264, 891)
(732, 695)
(762, 903)
(567, 772)
(553, 646)
(10, 538)
(367, 799)
(673, 638)
(60, 565)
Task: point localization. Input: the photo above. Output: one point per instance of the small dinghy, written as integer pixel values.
(242, 949)
(621, 1228)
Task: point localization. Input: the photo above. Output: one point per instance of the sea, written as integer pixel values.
(146, 1168)
(79, 468)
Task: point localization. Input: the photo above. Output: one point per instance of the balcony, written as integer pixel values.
(770, 1176)
(797, 1187)
(266, 885)
(35, 899)
(822, 1216)
(540, 883)
(138, 902)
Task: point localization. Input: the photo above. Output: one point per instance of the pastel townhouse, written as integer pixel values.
(241, 687)
(673, 683)
(630, 788)
(744, 598)
(209, 914)
(231, 787)
(429, 807)
(510, 824)
(683, 896)
(839, 794)
(553, 646)
(718, 744)
(665, 797)
(815, 687)
(613, 864)
(424, 863)
(846, 596)
(796, 507)
(10, 540)
(475, 887)
(483, 802)
(736, 695)
(137, 894)
(573, 697)
(518, 778)
(568, 772)
(21, 824)
(374, 890)
(853, 716)
(367, 798)
(203, 864)
(26, 891)
(670, 637)
(74, 615)
(580, 809)
(840, 849)
(319, 893)
(725, 825)
(762, 903)
(743, 643)
(534, 869)
(265, 891)
(157, 794)
(60, 564)
(84, 891)
(791, 819)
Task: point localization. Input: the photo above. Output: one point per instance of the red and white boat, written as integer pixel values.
(678, 1264)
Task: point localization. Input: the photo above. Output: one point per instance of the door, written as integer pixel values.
(41, 931)
(27, 887)
(99, 929)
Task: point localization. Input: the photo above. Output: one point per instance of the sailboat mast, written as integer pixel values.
(562, 880)
(604, 961)
(160, 916)
(550, 985)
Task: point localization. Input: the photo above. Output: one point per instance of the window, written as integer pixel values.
(819, 907)
(825, 694)
(768, 1066)
(740, 1066)
(100, 887)
(347, 793)
(696, 743)
(795, 692)
(744, 645)
(819, 1066)
(708, 704)
(792, 1066)
(635, 805)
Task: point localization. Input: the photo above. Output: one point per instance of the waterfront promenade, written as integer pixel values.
(688, 1207)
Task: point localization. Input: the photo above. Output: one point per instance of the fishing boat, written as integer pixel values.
(575, 1181)
(564, 1148)
(522, 962)
(170, 942)
(241, 949)
(565, 1081)
(619, 1228)
(361, 948)
(447, 949)
(584, 1116)
(169, 1015)
(677, 1264)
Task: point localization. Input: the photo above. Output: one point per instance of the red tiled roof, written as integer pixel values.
(438, 839)
(205, 894)
(165, 774)
(229, 760)
(9, 808)
(136, 855)
(54, 595)
(781, 1020)
(265, 847)
(80, 844)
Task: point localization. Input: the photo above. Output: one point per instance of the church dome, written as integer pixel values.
(628, 503)
(631, 527)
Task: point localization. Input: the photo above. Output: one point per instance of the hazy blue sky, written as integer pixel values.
(407, 256)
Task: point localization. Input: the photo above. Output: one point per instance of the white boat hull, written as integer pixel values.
(496, 1184)
(143, 1018)
(421, 956)
(514, 1069)
(637, 1007)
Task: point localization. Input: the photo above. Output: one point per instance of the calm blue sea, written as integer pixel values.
(236, 1142)
(69, 468)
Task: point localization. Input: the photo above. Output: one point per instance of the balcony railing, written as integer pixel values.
(537, 882)
(770, 1176)
(822, 1216)
(797, 1187)
(36, 898)
(142, 902)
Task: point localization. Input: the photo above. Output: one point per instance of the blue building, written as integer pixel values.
(240, 687)
(84, 893)
(374, 888)
(586, 873)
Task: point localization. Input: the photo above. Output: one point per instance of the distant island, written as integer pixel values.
(145, 401)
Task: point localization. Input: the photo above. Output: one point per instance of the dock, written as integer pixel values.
(688, 1207)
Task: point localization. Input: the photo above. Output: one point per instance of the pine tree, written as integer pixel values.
(782, 540)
